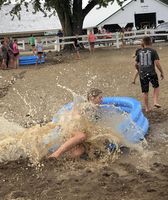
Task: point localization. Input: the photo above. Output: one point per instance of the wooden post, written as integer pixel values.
(57, 44)
(117, 40)
(23, 44)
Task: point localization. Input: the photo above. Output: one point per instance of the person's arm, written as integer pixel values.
(157, 64)
(137, 66)
(74, 44)
(137, 63)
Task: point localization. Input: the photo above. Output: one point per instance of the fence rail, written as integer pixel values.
(114, 39)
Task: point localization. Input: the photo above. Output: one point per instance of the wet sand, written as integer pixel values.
(29, 96)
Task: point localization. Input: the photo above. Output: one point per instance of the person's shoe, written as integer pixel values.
(84, 156)
(157, 106)
(111, 147)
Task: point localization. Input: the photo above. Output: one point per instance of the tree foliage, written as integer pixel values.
(70, 12)
(165, 1)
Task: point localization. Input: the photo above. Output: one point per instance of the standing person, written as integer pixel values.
(4, 54)
(91, 39)
(10, 53)
(9, 47)
(1, 58)
(32, 43)
(39, 50)
(146, 61)
(134, 56)
(16, 54)
(76, 45)
(122, 32)
(60, 35)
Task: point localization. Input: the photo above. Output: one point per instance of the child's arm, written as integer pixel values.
(157, 63)
(74, 45)
(137, 66)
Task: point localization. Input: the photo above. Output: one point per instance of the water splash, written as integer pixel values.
(100, 125)
(32, 109)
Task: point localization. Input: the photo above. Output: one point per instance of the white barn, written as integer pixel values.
(137, 13)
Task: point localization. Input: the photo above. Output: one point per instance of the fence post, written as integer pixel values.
(117, 40)
(146, 33)
(57, 44)
(46, 41)
(23, 44)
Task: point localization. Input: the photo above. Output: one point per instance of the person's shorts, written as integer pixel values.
(39, 53)
(33, 45)
(92, 43)
(16, 54)
(77, 48)
(10, 54)
(153, 79)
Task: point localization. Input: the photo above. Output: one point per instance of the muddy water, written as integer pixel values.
(35, 143)
(131, 175)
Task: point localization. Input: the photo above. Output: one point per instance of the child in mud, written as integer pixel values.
(146, 61)
(75, 143)
(86, 129)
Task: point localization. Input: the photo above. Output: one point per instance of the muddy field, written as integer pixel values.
(32, 95)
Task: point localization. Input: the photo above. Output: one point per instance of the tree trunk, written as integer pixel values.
(72, 16)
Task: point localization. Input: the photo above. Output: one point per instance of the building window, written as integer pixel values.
(142, 1)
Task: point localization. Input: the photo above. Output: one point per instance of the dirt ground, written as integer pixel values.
(32, 95)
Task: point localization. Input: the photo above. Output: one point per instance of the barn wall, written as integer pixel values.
(122, 17)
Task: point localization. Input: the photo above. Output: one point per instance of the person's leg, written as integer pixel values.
(90, 49)
(12, 61)
(37, 60)
(3, 65)
(145, 89)
(78, 55)
(155, 97)
(17, 61)
(93, 48)
(77, 139)
(33, 49)
(145, 99)
(77, 151)
(40, 57)
(155, 84)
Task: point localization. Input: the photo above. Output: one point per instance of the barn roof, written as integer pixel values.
(29, 22)
(122, 8)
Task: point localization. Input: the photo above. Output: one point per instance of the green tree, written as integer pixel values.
(70, 12)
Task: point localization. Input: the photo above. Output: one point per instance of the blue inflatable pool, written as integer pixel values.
(134, 127)
(29, 60)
